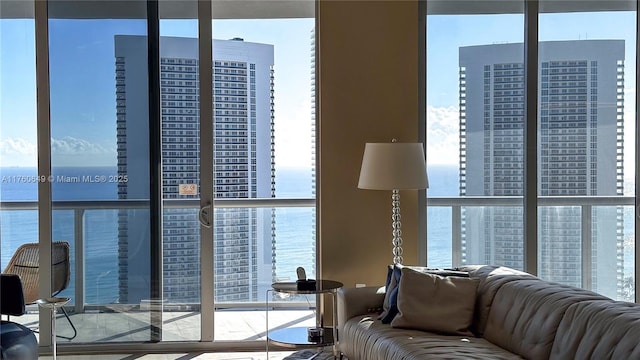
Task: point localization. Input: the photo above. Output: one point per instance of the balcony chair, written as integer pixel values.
(25, 264)
(17, 342)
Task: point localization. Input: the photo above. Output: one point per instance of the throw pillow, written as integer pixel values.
(394, 273)
(434, 303)
(390, 304)
(387, 288)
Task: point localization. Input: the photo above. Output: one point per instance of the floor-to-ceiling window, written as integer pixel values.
(584, 97)
(18, 133)
(586, 132)
(262, 217)
(18, 137)
(475, 138)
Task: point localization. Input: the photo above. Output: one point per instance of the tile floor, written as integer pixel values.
(177, 326)
(176, 356)
(304, 354)
(116, 327)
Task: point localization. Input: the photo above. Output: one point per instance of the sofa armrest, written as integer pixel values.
(358, 301)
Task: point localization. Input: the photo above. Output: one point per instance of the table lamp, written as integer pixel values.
(394, 166)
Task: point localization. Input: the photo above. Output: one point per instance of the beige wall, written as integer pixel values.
(367, 67)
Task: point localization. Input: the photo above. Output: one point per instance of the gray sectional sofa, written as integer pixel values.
(516, 315)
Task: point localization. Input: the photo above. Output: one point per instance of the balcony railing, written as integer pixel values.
(586, 204)
(79, 208)
(456, 204)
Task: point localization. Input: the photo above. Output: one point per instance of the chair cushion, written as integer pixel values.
(11, 295)
(17, 342)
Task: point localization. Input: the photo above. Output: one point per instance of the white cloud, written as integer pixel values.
(17, 146)
(71, 146)
(68, 151)
(18, 152)
(442, 135)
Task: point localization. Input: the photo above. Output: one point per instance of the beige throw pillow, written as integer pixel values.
(434, 303)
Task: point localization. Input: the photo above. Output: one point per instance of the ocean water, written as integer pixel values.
(294, 226)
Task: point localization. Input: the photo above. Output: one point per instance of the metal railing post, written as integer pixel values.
(456, 235)
(79, 244)
(586, 251)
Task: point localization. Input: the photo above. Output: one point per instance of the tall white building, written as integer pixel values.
(244, 166)
(579, 154)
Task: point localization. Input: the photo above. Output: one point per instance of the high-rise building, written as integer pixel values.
(579, 154)
(313, 135)
(244, 166)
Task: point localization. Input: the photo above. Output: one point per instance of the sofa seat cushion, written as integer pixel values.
(598, 330)
(365, 337)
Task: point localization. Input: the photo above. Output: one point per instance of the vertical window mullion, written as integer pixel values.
(637, 160)
(44, 163)
(155, 169)
(206, 169)
(531, 13)
(422, 126)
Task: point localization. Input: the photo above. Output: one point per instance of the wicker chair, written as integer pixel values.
(25, 264)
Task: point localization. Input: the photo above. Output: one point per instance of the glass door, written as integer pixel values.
(99, 81)
(153, 115)
(187, 163)
(19, 180)
(264, 136)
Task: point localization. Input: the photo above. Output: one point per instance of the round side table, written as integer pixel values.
(297, 337)
(53, 303)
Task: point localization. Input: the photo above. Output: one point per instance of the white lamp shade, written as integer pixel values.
(389, 166)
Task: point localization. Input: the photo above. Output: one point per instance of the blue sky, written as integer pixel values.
(83, 116)
(82, 72)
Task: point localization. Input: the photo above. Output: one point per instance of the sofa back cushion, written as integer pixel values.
(598, 330)
(525, 315)
(491, 279)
